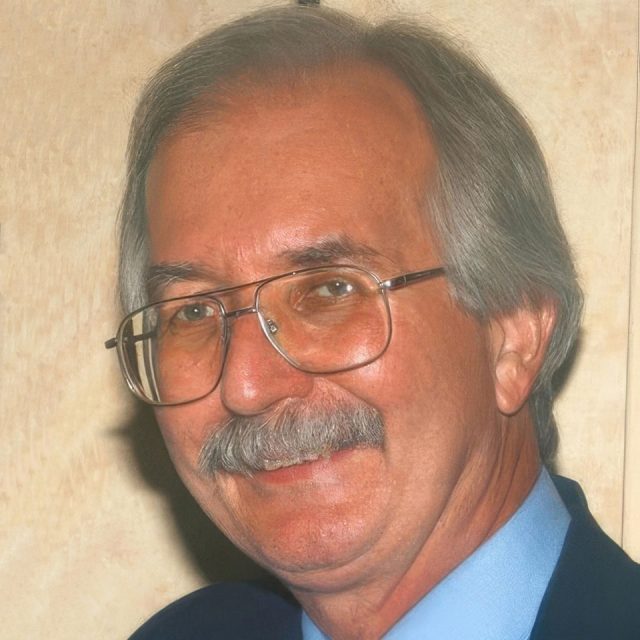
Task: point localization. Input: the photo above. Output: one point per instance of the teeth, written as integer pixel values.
(272, 465)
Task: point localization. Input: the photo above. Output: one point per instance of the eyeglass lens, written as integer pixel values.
(321, 321)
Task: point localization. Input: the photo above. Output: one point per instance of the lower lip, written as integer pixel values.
(304, 470)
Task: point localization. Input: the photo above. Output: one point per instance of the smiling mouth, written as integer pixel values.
(306, 468)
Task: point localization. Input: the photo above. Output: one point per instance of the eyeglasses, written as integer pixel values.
(320, 320)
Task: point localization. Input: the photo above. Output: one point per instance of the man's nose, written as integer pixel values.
(255, 375)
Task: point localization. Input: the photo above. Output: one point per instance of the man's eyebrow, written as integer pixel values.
(160, 276)
(330, 250)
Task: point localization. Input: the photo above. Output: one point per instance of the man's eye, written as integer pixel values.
(334, 289)
(194, 312)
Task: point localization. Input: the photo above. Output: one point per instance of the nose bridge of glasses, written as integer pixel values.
(245, 300)
(243, 311)
(237, 301)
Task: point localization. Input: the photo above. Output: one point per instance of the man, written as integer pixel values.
(348, 292)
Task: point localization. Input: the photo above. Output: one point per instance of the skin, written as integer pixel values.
(363, 535)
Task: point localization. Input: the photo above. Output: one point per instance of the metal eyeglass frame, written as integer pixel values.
(389, 284)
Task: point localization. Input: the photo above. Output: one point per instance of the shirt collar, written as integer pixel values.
(495, 593)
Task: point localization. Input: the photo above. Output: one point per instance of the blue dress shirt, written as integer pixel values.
(496, 592)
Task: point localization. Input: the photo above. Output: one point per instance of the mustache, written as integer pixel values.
(293, 434)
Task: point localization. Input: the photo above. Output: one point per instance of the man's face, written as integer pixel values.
(281, 174)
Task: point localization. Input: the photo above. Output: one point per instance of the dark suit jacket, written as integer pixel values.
(594, 594)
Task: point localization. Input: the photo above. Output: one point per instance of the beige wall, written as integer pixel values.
(100, 533)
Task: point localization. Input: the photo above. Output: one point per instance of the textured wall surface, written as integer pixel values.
(97, 532)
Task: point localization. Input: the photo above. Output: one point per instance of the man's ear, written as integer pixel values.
(519, 341)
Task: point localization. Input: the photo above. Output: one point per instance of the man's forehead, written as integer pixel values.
(288, 166)
(349, 111)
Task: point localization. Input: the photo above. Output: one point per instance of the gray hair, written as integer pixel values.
(492, 207)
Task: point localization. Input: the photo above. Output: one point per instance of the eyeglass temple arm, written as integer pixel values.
(112, 343)
(409, 278)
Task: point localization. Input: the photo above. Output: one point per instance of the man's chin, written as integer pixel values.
(308, 518)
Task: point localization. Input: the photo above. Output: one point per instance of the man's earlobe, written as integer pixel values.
(519, 342)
